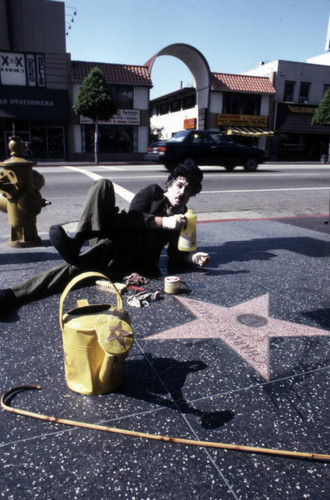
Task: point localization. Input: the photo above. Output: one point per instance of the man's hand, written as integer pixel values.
(199, 258)
(174, 222)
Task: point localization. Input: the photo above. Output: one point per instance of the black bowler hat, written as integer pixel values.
(192, 173)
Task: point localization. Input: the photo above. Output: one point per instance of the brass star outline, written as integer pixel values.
(118, 333)
(251, 344)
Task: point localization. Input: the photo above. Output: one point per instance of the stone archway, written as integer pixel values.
(197, 64)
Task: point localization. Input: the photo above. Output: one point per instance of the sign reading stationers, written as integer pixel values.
(25, 103)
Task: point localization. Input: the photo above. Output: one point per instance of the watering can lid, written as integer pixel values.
(115, 336)
(85, 318)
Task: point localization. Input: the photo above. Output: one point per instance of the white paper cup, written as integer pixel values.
(171, 284)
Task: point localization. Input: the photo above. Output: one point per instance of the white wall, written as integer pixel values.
(216, 102)
(320, 59)
(141, 101)
(264, 106)
(143, 138)
(316, 74)
(75, 90)
(263, 69)
(77, 139)
(173, 122)
(141, 98)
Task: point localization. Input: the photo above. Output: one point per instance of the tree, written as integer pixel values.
(94, 101)
(322, 113)
(156, 133)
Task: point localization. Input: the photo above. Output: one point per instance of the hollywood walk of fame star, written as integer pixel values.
(246, 328)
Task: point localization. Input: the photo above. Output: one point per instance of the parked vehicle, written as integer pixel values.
(205, 147)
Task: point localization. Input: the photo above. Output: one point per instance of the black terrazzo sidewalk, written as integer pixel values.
(241, 356)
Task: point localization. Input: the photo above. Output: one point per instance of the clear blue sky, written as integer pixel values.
(233, 35)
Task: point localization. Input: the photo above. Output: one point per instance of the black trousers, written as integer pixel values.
(109, 235)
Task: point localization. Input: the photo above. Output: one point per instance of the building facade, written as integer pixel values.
(125, 135)
(300, 87)
(34, 76)
(39, 83)
(238, 105)
(173, 112)
(270, 106)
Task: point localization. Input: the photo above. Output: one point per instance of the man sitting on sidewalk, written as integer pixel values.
(120, 242)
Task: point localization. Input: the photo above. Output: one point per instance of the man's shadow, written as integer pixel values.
(259, 249)
(152, 379)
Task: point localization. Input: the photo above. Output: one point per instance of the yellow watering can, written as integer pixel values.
(96, 341)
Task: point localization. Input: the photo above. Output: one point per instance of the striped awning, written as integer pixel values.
(249, 131)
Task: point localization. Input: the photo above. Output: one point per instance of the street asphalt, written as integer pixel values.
(240, 356)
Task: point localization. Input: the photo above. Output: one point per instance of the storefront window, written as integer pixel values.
(55, 142)
(325, 88)
(39, 143)
(47, 143)
(163, 109)
(175, 105)
(288, 90)
(189, 102)
(241, 104)
(112, 139)
(290, 147)
(123, 95)
(304, 92)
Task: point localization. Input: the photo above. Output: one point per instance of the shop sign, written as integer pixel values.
(22, 70)
(189, 123)
(302, 109)
(40, 71)
(23, 103)
(242, 120)
(31, 70)
(12, 68)
(122, 117)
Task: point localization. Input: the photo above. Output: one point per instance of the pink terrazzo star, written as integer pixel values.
(246, 328)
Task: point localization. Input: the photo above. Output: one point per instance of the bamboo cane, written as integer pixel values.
(167, 439)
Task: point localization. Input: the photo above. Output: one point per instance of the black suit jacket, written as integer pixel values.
(151, 202)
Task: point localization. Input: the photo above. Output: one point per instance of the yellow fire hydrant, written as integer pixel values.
(20, 196)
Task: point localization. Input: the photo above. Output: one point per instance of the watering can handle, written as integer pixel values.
(79, 278)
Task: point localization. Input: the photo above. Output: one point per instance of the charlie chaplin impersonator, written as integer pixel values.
(120, 242)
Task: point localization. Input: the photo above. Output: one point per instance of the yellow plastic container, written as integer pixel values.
(188, 234)
(96, 342)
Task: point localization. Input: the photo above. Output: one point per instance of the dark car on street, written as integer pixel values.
(205, 147)
(155, 151)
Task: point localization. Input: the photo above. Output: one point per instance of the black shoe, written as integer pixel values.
(67, 247)
(8, 302)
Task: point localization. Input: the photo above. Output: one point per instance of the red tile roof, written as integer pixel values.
(241, 83)
(113, 73)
